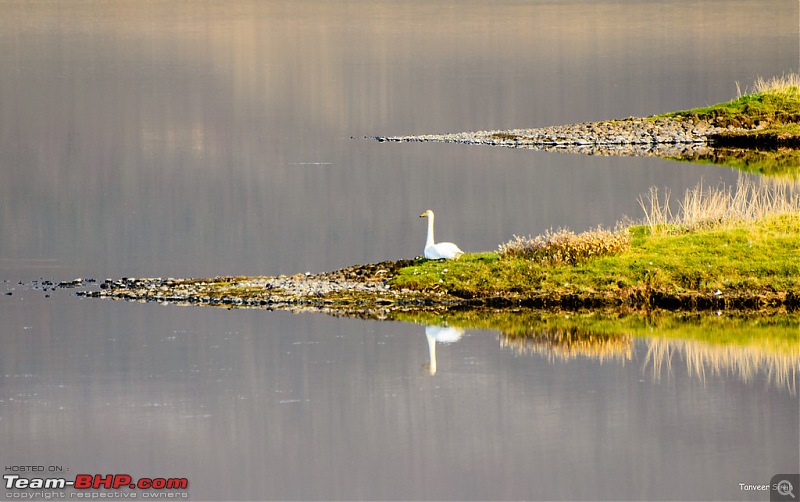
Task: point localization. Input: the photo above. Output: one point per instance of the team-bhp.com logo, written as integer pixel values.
(96, 482)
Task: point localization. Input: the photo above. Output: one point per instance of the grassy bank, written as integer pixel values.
(724, 248)
(769, 114)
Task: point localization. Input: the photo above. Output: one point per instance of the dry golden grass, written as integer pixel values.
(786, 83)
(712, 207)
(563, 246)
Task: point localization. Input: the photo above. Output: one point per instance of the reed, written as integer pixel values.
(788, 83)
(701, 208)
(704, 207)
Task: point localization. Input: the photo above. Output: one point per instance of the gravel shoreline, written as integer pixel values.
(660, 137)
(358, 289)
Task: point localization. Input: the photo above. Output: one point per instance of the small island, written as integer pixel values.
(729, 248)
(758, 132)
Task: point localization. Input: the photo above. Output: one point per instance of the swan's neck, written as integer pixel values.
(429, 241)
(432, 353)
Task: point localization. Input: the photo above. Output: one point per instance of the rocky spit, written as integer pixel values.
(361, 289)
(660, 137)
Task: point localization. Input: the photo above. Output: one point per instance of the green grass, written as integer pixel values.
(775, 103)
(768, 109)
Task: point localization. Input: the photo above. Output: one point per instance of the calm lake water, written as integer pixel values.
(188, 139)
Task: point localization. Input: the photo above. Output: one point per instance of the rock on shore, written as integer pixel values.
(361, 289)
(660, 137)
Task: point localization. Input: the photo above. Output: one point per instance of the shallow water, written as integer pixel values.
(213, 138)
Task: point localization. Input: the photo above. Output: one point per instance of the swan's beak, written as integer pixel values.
(423, 215)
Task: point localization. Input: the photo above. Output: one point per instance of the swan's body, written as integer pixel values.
(443, 250)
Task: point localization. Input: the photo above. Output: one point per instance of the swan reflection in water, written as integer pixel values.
(441, 334)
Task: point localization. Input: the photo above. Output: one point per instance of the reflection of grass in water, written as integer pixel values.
(569, 343)
(777, 163)
(741, 345)
(745, 362)
(777, 333)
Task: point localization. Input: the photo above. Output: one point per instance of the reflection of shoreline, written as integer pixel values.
(745, 362)
(779, 364)
(672, 139)
(570, 343)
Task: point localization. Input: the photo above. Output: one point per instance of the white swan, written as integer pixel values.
(443, 250)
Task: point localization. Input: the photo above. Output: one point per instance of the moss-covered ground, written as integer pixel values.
(773, 111)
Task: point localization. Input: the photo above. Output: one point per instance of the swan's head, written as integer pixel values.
(427, 214)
